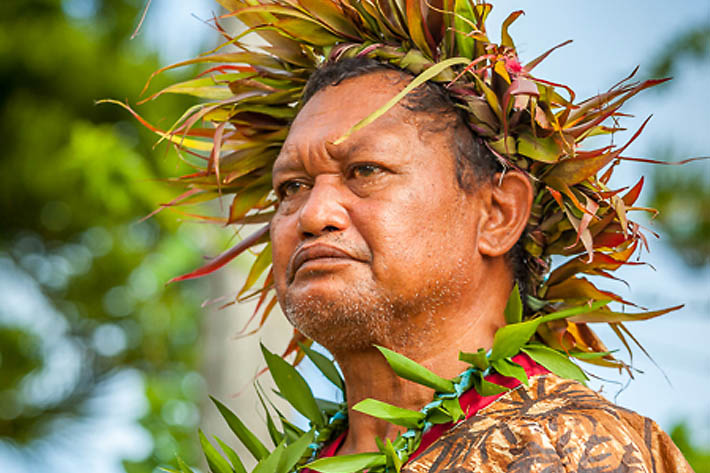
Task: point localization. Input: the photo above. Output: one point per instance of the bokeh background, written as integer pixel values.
(105, 368)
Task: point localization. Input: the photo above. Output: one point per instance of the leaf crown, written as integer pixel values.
(252, 93)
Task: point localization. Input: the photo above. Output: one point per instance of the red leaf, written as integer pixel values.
(260, 236)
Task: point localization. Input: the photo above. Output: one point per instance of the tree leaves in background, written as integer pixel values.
(74, 181)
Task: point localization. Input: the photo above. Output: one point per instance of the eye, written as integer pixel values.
(291, 188)
(365, 170)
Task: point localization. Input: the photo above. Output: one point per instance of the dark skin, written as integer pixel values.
(375, 243)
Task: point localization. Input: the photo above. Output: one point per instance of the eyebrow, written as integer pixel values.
(351, 146)
(290, 164)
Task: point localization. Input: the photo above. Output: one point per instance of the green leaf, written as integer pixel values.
(582, 355)
(183, 466)
(250, 441)
(486, 388)
(307, 31)
(261, 263)
(291, 432)
(274, 433)
(215, 461)
(331, 15)
(205, 88)
(348, 463)
(478, 359)
(380, 444)
(545, 150)
(293, 387)
(509, 338)
(555, 361)
(293, 453)
(463, 25)
(514, 307)
(392, 457)
(607, 316)
(408, 369)
(234, 459)
(511, 369)
(433, 71)
(328, 407)
(453, 407)
(417, 26)
(583, 309)
(324, 365)
(439, 416)
(270, 464)
(392, 414)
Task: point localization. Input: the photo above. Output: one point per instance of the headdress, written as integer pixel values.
(251, 94)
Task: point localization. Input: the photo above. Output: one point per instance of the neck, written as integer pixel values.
(434, 341)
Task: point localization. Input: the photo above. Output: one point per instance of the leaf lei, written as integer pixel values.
(296, 448)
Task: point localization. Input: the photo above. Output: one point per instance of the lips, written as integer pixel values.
(315, 252)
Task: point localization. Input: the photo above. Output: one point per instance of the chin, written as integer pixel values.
(343, 317)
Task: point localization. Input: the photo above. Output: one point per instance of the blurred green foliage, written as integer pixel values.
(699, 458)
(87, 277)
(682, 195)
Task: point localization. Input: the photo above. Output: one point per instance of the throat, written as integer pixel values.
(368, 376)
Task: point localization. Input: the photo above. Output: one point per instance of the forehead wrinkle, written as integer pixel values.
(295, 157)
(364, 140)
(285, 160)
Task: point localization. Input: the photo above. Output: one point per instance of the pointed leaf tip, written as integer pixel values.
(413, 371)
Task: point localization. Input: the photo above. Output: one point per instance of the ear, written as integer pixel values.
(508, 209)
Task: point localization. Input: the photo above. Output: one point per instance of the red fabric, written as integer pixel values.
(471, 402)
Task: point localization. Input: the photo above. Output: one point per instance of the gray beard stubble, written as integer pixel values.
(361, 316)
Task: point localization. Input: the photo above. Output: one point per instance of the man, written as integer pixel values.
(377, 242)
(422, 179)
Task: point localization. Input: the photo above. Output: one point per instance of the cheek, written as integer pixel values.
(416, 231)
(283, 243)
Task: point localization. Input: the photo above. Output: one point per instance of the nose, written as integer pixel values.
(324, 210)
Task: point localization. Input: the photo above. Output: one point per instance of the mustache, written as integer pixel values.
(322, 248)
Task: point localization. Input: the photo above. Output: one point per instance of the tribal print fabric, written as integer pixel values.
(552, 426)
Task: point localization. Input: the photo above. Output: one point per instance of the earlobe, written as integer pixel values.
(508, 202)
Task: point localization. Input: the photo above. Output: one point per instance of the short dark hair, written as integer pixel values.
(474, 164)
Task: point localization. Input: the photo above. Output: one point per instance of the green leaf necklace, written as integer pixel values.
(296, 448)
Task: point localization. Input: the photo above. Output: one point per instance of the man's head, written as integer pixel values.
(394, 225)
(530, 124)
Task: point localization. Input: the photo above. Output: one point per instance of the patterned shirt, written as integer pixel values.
(554, 425)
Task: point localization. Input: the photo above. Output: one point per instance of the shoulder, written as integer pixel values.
(553, 425)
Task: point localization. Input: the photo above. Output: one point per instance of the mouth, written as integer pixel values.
(318, 254)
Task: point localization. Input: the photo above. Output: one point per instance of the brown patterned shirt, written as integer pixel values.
(554, 425)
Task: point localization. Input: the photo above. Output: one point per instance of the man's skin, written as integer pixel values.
(375, 243)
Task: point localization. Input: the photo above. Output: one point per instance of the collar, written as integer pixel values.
(471, 402)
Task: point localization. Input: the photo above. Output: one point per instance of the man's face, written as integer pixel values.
(375, 232)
